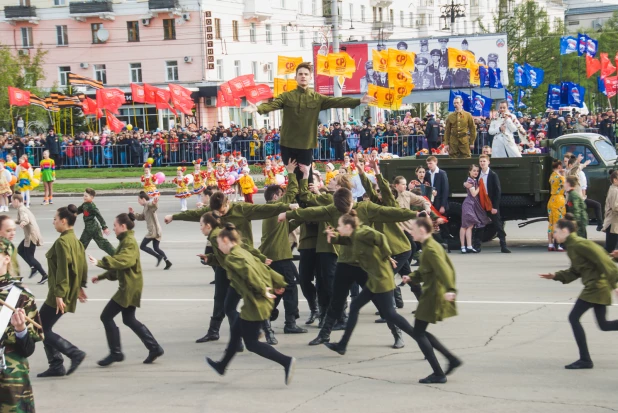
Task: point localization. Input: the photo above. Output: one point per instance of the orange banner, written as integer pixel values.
(385, 97)
(341, 64)
(459, 59)
(396, 75)
(401, 59)
(402, 90)
(475, 76)
(380, 60)
(287, 65)
(322, 66)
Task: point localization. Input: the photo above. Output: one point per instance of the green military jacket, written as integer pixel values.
(275, 243)
(217, 258)
(15, 264)
(437, 274)
(301, 110)
(91, 212)
(575, 205)
(250, 278)
(125, 266)
(459, 129)
(371, 251)
(67, 270)
(240, 214)
(313, 200)
(594, 266)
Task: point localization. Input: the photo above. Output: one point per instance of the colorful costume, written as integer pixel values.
(48, 170)
(269, 173)
(556, 205)
(247, 187)
(149, 186)
(222, 181)
(211, 179)
(182, 190)
(330, 175)
(5, 187)
(24, 177)
(199, 179)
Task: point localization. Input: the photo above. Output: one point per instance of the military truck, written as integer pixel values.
(524, 181)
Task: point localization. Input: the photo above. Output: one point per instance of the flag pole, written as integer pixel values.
(146, 116)
(12, 120)
(134, 112)
(27, 112)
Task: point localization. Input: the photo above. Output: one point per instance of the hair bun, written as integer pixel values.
(569, 217)
(72, 208)
(229, 226)
(132, 216)
(353, 213)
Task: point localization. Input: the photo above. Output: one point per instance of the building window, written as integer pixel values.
(254, 69)
(314, 7)
(237, 68)
(351, 12)
(284, 35)
(136, 72)
(375, 14)
(26, 37)
(63, 75)
(94, 28)
(283, 4)
(392, 15)
(133, 31)
(60, 3)
(315, 37)
(169, 29)
(219, 69)
(172, 70)
(235, 30)
(302, 38)
(421, 19)
(411, 19)
(429, 19)
(252, 34)
(62, 36)
(362, 13)
(301, 9)
(269, 34)
(270, 72)
(100, 74)
(401, 19)
(217, 28)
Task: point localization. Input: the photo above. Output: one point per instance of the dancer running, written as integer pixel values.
(5, 187)
(149, 214)
(92, 231)
(437, 274)
(254, 281)
(598, 274)
(68, 275)
(32, 238)
(48, 176)
(182, 189)
(125, 267)
(148, 180)
(24, 179)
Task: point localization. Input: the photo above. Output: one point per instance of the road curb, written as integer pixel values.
(114, 192)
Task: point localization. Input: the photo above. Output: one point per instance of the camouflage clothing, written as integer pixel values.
(92, 230)
(15, 390)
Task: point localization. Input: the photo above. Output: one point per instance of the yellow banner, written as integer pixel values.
(400, 59)
(385, 97)
(322, 66)
(380, 60)
(459, 59)
(279, 87)
(402, 90)
(341, 64)
(475, 76)
(291, 85)
(287, 65)
(396, 75)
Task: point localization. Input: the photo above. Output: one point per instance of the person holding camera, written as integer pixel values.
(502, 127)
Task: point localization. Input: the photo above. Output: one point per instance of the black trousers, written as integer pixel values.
(112, 309)
(598, 212)
(309, 268)
(496, 221)
(432, 145)
(57, 159)
(249, 331)
(290, 297)
(578, 310)
(328, 266)
(345, 276)
(155, 251)
(339, 150)
(222, 284)
(48, 319)
(304, 156)
(27, 253)
(427, 343)
(611, 240)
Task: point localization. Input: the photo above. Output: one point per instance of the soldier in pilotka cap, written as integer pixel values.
(402, 46)
(435, 61)
(459, 131)
(422, 79)
(492, 60)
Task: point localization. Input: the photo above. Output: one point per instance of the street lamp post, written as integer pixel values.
(452, 11)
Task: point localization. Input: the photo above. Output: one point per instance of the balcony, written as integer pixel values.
(81, 10)
(257, 10)
(386, 29)
(163, 4)
(20, 13)
(381, 3)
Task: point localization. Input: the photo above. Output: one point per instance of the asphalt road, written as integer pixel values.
(512, 334)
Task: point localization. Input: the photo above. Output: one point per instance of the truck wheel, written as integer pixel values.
(454, 223)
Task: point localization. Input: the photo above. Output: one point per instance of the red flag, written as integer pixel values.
(162, 100)
(611, 86)
(150, 94)
(226, 90)
(258, 93)
(110, 99)
(238, 85)
(18, 97)
(89, 106)
(221, 101)
(113, 123)
(592, 65)
(181, 98)
(606, 66)
(185, 107)
(137, 93)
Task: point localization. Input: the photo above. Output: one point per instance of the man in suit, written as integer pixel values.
(435, 62)
(432, 132)
(443, 78)
(490, 200)
(438, 180)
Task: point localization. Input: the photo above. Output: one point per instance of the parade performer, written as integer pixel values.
(331, 172)
(556, 206)
(222, 179)
(348, 165)
(182, 189)
(598, 274)
(437, 274)
(126, 268)
(149, 214)
(5, 187)
(24, 179)
(8, 231)
(247, 185)
(92, 231)
(12, 167)
(385, 154)
(148, 180)
(48, 176)
(68, 275)
(472, 213)
(32, 238)
(211, 179)
(576, 205)
(459, 131)
(199, 177)
(18, 336)
(254, 281)
(269, 172)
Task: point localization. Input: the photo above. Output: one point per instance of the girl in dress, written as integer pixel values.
(269, 172)
(347, 166)
(149, 182)
(222, 183)
(211, 180)
(182, 189)
(24, 179)
(48, 176)
(472, 213)
(556, 204)
(199, 177)
(5, 188)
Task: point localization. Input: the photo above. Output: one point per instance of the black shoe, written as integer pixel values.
(159, 259)
(599, 228)
(433, 379)
(153, 355)
(43, 280)
(336, 348)
(320, 339)
(377, 313)
(212, 282)
(33, 272)
(76, 361)
(168, 265)
(210, 336)
(452, 365)
(293, 329)
(504, 250)
(274, 315)
(312, 317)
(580, 364)
(216, 366)
(380, 321)
(111, 358)
(289, 371)
(340, 325)
(53, 372)
(270, 334)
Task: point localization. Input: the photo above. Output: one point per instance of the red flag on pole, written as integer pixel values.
(606, 66)
(110, 99)
(258, 93)
(137, 93)
(181, 98)
(238, 85)
(150, 94)
(89, 106)
(611, 86)
(18, 97)
(592, 65)
(162, 100)
(113, 123)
